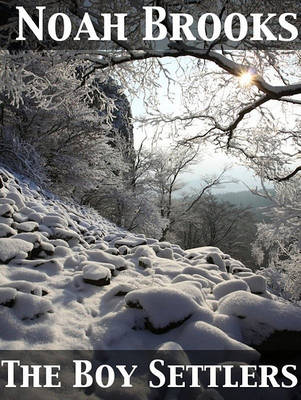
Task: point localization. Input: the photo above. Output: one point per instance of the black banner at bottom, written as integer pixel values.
(171, 374)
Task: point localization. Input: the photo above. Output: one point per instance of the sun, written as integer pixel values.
(246, 79)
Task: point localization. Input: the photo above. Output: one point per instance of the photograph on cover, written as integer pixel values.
(150, 199)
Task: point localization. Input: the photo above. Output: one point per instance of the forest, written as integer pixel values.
(67, 123)
(104, 242)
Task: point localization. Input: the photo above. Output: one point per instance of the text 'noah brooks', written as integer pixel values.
(160, 374)
(235, 26)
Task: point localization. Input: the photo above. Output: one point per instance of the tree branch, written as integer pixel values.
(287, 177)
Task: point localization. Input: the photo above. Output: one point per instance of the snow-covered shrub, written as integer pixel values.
(21, 156)
(135, 210)
(55, 122)
(278, 242)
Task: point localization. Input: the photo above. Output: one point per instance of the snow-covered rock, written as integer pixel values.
(6, 210)
(7, 296)
(101, 256)
(224, 288)
(6, 231)
(70, 279)
(28, 306)
(17, 199)
(28, 226)
(214, 278)
(11, 248)
(256, 283)
(165, 307)
(166, 253)
(34, 238)
(145, 262)
(215, 258)
(194, 277)
(144, 251)
(130, 242)
(260, 317)
(203, 336)
(54, 221)
(96, 274)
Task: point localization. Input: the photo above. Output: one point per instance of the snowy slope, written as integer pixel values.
(71, 280)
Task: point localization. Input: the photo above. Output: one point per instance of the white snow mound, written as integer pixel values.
(95, 272)
(163, 306)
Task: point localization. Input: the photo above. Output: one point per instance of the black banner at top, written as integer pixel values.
(153, 26)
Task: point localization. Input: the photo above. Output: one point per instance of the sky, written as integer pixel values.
(213, 163)
(213, 160)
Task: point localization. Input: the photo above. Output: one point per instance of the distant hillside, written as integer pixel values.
(244, 199)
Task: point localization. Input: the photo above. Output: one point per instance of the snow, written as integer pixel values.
(6, 210)
(203, 251)
(167, 346)
(29, 237)
(203, 336)
(194, 277)
(17, 199)
(156, 295)
(10, 248)
(228, 324)
(54, 221)
(47, 247)
(211, 276)
(237, 267)
(6, 231)
(224, 288)
(166, 253)
(162, 306)
(130, 242)
(7, 294)
(144, 251)
(26, 287)
(193, 289)
(29, 306)
(215, 258)
(62, 251)
(7, 201)
(256, 283)
(101, 257)
(26, 226)
(145, 262)
(95, 271)
(66, 234)
(259, 316)
(279, 315)
(59, 243)
(7, 221)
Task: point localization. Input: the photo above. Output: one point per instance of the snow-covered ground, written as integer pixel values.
(70, 279)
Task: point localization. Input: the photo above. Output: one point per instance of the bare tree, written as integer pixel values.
(212, 222)
(166, 169)
(240, 120)
(244, 101)
(247, 121)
